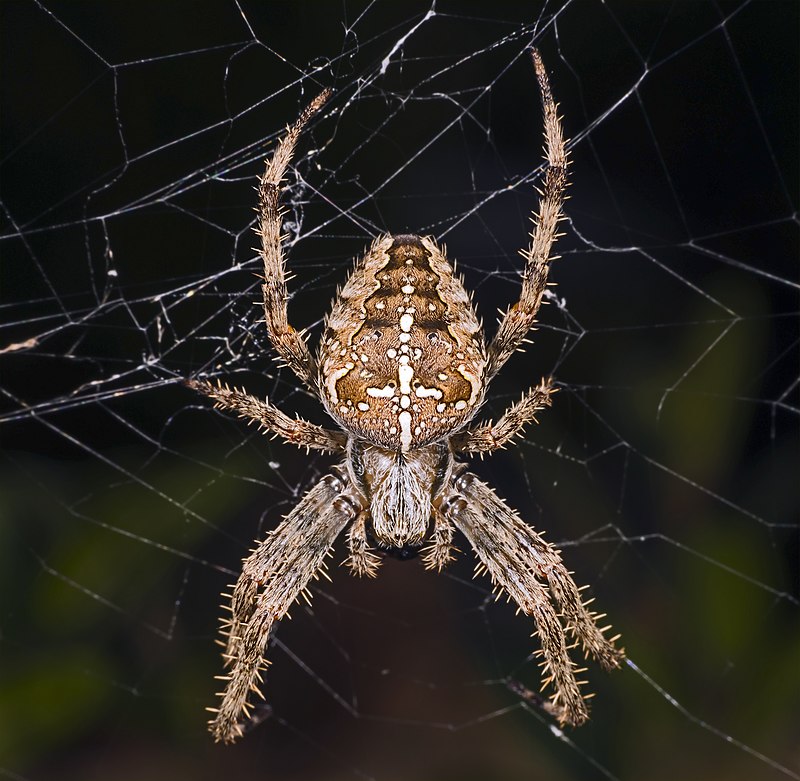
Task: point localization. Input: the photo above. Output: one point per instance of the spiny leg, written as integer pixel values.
(517, 560)
(493, 436)
(274, 575)
(362, 560)
(535, 553)
(269, 418)
(439, 552)
(519, 319)
(288, 343)
(499, 555)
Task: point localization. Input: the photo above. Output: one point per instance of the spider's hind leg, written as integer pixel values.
(519, 319)
(289, 343)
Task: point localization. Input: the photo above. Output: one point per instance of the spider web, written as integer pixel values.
(666, 470)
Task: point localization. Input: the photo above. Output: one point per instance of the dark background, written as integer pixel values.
(666, 471)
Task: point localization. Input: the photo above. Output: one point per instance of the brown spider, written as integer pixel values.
(403, 368)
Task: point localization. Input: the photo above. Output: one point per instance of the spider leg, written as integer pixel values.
(294, 430)
(274, 575)
(288, 343)
(518, 320)
(361, 561)
(439, 552)
(493, 436)
(518, 560)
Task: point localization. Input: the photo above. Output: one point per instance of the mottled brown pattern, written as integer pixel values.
(412, 312)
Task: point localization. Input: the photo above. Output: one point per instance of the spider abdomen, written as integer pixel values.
(402, 359)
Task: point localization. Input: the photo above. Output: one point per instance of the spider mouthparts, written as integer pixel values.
(403, 553)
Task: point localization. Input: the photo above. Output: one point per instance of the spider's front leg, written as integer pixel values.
(519, 319)
(288, 343)
(272, 578)
(518, 560)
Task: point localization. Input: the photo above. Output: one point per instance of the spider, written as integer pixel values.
(403, 368)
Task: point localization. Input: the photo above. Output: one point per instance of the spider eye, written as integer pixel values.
(432, 337)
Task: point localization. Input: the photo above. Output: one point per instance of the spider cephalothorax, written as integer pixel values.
(403, 368)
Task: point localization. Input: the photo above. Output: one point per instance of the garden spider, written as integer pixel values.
(403, 368)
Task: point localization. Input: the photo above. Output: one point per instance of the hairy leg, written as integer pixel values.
(518, 560)
(493, 436)
(519, 319)
(274, 575)
(361, 561)
(288, 343)
(269, 418)
(439, 552)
